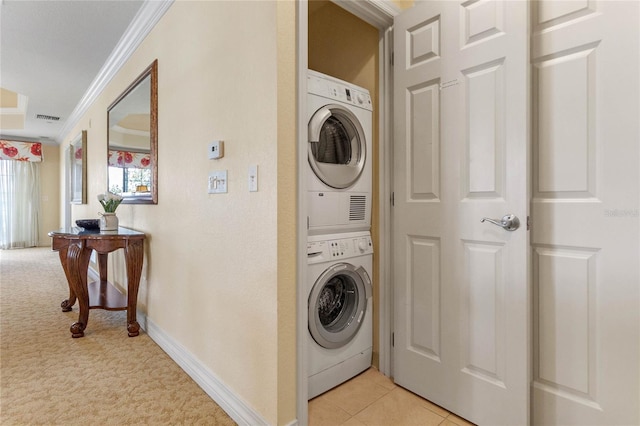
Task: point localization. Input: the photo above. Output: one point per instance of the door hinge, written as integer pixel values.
(392, 59)
(528, 223)
(393, 199)
(393, 340)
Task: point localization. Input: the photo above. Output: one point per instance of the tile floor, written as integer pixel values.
(374, 400)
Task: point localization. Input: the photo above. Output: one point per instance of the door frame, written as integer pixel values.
(379, 14)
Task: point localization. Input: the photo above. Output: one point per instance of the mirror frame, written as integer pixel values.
(152, 71)
(78, 181)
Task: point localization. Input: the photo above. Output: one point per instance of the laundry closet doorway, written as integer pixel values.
(578, 291)
(345, 47)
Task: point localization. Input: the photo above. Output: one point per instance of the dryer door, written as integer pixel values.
(337, 146)
(338, 304)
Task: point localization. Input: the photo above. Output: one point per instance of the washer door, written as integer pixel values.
(337, 148)
(337, 305)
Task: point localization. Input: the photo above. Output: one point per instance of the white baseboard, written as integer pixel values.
(232, 404)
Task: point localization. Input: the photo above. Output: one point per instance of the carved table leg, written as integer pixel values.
(77, 263)
(102, 265)
(66, 304)
(134, 253)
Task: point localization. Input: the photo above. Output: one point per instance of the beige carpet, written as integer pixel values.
(46, 377)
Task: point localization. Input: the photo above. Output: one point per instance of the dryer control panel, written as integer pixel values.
(320, 249)
(338, 90)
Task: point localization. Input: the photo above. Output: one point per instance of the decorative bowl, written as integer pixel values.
(88, 223)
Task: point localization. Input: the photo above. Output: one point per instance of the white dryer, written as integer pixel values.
(340, 328)
(339, 182)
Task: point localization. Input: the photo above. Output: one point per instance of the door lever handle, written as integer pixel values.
(509, 222)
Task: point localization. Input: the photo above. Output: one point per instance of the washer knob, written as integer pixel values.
(362, 246)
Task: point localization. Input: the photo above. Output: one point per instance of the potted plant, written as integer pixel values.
(108, 219)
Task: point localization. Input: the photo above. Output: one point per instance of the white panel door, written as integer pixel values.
(586, 212)
(461, 287)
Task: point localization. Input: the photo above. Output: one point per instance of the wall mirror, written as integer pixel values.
(132, 135)
(78, 172)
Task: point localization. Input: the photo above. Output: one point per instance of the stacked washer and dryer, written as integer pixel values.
(339, 247)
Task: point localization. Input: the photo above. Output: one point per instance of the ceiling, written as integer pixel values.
(50, 53)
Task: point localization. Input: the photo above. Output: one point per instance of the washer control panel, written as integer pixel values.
(338, 248)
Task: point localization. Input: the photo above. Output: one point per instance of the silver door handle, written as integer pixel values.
(510, 222)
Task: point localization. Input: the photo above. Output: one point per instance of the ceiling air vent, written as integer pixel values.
(47, 117)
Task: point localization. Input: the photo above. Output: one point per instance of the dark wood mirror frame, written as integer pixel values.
(152, 72)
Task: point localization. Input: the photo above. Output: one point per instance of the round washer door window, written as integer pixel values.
(337, 305)
(337, 148)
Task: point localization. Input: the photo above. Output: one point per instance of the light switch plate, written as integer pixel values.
(216, 150)
(253, 178)
(218, 182)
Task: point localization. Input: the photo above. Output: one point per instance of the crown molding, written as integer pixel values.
(379, 13)
(147, 17)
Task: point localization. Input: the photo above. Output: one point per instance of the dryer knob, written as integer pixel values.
(360, 99)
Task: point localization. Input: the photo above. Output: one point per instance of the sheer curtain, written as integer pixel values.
(19, 204)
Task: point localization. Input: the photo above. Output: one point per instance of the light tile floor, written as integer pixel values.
(374, 400)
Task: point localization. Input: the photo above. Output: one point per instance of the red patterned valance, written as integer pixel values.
(21, 151)
(78, 155)
(127, 159)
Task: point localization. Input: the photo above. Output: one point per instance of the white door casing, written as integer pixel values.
(585, 210)
(461, 287)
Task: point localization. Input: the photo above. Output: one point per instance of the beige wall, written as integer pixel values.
(404, 4)
(344, 46)
(219, 273)
(50, 191)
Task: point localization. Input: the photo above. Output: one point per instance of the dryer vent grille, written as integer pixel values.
(357, 207)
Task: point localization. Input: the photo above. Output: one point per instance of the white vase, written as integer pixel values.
(108, 222)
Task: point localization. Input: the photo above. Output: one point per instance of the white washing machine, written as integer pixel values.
(340, 328)
(339, 181)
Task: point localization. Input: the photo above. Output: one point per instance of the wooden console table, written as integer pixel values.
(74, 246)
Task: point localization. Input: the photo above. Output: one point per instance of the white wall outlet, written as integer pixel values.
(253, 178)
(216, 150)
(218, 182)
